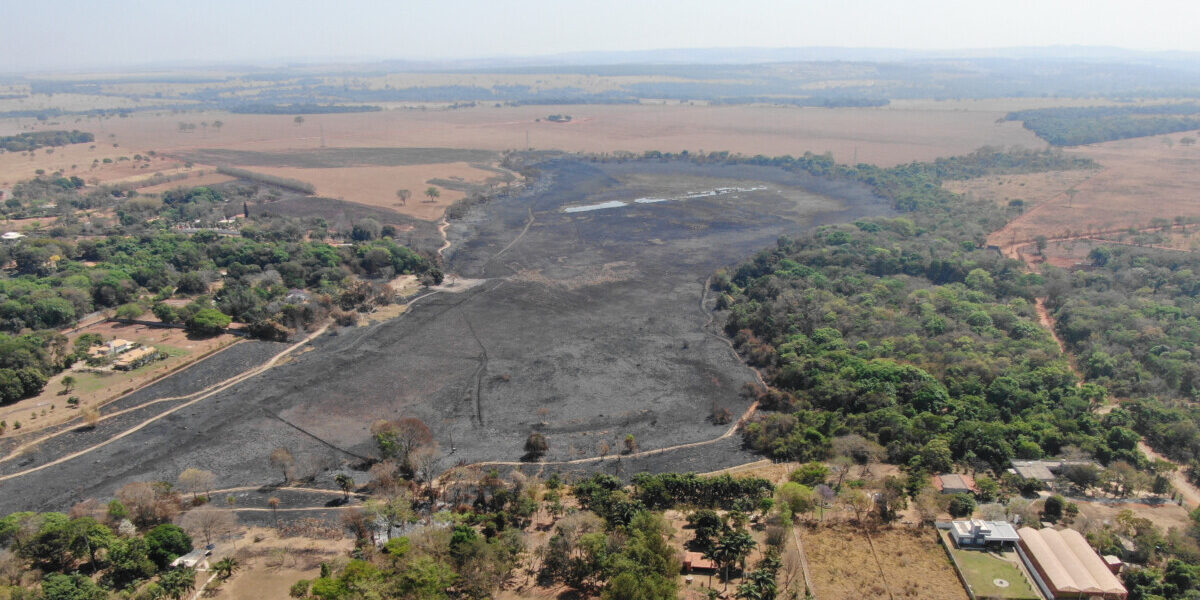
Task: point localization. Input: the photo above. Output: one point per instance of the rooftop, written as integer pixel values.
(1068, 563)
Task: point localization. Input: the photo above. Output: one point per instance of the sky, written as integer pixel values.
(87, 34)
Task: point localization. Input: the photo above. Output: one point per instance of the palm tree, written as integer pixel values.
(273, 502)
(345, 482)
(178, 582)
(226, 567)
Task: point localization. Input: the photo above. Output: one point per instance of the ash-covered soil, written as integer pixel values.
(587, 326)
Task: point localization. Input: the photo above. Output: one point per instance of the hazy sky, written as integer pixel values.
(66, 34)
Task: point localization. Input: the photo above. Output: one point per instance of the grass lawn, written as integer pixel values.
(980, 569)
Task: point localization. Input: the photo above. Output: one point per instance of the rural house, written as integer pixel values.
(976, 533)
(953, 483)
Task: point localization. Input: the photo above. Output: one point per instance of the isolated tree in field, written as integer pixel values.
(196, 481)
(68, 383)
(397, 439)
(217, 125)
(345, 482)
(282, 459)
(631, 444)
(1040, 243)
(432, 194)
(299, 120)
(403, 195)
(273, 502)
(536, 446)
(209, 523)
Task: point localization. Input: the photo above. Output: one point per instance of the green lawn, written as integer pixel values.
(981, 568)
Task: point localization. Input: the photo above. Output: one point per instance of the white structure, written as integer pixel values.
(12, 236)
(1065, 566)
(976, 533)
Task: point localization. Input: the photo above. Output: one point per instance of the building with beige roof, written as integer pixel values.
(1065, 566)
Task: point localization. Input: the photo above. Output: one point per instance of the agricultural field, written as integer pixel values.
(905, 563)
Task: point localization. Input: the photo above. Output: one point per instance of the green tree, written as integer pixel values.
(810, 474)
(433, 193)
(176, 583)
(58, 586)
(961, 506)
(167, 542)
(208, 321)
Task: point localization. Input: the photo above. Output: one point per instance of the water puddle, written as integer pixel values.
(689, 196)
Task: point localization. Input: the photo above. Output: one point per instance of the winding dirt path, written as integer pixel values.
(1189, 492)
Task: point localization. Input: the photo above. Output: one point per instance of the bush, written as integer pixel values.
(167, 542)
(208, 321)
(961, 505)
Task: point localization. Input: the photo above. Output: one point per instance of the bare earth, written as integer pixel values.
(913, 564)
(1140, 180)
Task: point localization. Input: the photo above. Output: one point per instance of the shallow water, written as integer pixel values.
(689, 196)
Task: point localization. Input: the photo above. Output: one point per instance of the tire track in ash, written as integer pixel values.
(479, 371)
(733, 429)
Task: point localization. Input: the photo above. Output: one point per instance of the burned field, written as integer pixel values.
(586, 326)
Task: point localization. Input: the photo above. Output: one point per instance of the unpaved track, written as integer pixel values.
(206, 393)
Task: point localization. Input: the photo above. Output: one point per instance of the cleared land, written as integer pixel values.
(1140, 180)
(377, 185)
(882, 136)
(910, 564)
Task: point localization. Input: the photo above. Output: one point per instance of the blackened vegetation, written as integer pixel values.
(909, 332)
(1089, 125)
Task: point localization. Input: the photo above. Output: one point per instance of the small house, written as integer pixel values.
(983, 534)
(953, 483)
(135, 358)
(695, 561)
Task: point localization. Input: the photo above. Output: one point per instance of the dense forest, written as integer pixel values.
(909, 332)
(276, 275)
(24, 142)
(1088, 125)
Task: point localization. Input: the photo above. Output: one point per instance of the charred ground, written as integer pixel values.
(585, 326)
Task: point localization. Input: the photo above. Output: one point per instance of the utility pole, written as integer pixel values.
(527, 146)
(322, 135)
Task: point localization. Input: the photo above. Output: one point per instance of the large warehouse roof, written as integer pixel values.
(1068, 563)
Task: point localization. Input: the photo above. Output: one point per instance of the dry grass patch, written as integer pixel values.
(910, 565)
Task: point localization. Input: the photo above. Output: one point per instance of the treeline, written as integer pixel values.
(27, 361)
(1088, 125)
(57, 282)
(301, 109)
(907, 332)
(124, 547)
(283, 182)
(24, 142)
